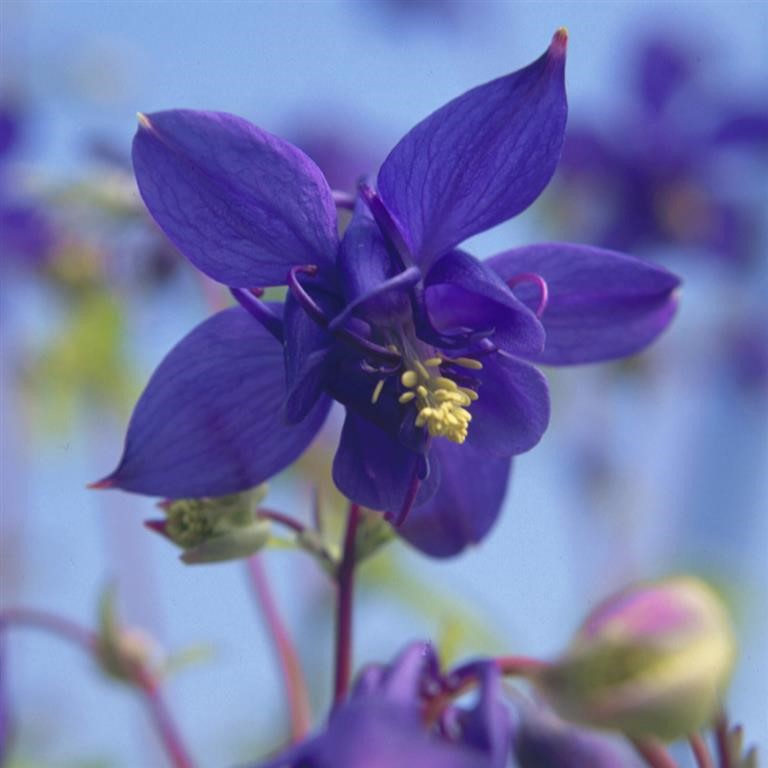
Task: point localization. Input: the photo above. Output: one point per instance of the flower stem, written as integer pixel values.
(164, 723)
(653, 753)
(88, 641)
(295, 685)
(345, 582)
(281, 519)
(721, 737)
(519, 666)
(701, 751)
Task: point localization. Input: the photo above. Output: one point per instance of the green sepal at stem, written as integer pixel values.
(373, 533)
(325, 553)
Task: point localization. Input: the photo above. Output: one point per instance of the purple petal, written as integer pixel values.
(241, 204)
(307, 356)
(542, 740)
(746, 126)
(462, 292)
(512, 411)
(210, 421)
(460, 513)
(365, 264)
(487, 726)
(480, 159)
(373, 469)
(602, 304)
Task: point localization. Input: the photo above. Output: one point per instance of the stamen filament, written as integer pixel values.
(258, 309)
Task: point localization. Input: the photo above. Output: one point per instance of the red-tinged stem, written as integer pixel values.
(164, 722)
(721, 738)
(54, 625)
(519, 666)
(295, 685)
(88, 642)
(281, 519)
(345, 583)
(653, 753)
(701, 751)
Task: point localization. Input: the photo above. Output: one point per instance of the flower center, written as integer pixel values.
(441, 403)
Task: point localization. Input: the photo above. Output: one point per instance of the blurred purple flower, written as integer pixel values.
(413, 336)
(26, 232)
(382, 723)
(541, 740)
(653, 177)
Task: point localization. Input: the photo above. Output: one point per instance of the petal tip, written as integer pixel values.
(559, 43)
(144, 121)
(101, 485)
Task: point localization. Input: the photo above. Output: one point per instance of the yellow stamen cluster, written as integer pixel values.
(442, 404)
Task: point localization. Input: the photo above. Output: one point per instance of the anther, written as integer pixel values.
(433, 362)
(409, 379)
(468, 362)
(406, 397)
(377, 391)
(421, 369)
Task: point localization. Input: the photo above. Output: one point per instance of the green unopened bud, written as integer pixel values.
(652, 661)
(125, 654)
(216, 529)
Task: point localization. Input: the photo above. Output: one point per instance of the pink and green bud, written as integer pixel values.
(124, 653)
(651, 661)
(215, 529)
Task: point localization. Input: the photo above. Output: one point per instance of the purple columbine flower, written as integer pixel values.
(387, 721)
(26, 232)
(429, 349)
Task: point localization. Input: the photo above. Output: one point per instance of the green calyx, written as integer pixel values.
(217, 529)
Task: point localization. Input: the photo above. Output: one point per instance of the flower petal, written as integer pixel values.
(602, 304)
(463, 292)
(210, 421)
(307, 355)
(365, 264)
(373, 469)
(460, 513)
(542, 740)
(480, 159)
(512, 411)
(241, 204)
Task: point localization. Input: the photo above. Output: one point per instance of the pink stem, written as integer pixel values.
(519, 666)
(281, 519)
(721, 737)
(295, 686)
(346, 583)
(653, 754)
(88, 641)
(164, 723)
(701, 751)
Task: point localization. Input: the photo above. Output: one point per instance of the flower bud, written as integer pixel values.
(124, 654)
(216, 529)
(651, 661)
